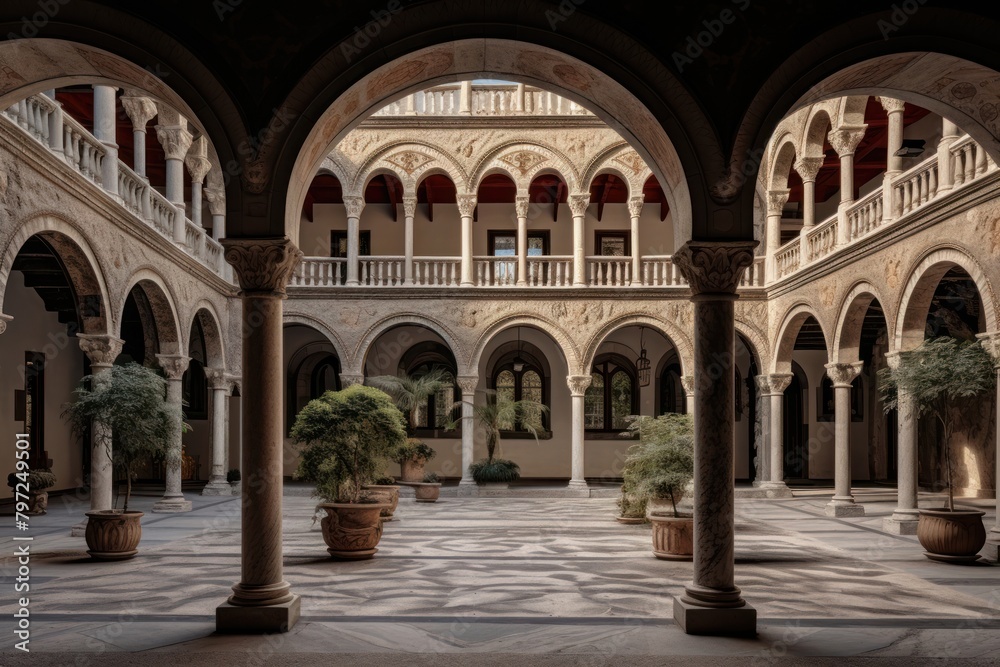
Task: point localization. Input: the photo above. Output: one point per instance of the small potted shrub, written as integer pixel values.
(386, 489)
(138, 425)
(412, 457)
(234, 478)
(429, 489)
(631, 506)
(497, 414)
(937, 374)
(658, 468)
(348, 436)
(36, 481)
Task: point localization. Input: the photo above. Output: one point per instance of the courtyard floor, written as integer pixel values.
(511, 580)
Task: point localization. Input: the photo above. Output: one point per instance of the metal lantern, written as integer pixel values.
(642, 364)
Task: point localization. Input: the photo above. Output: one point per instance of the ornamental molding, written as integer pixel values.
(351, 379)
(140, 110)
(409, 161)
(521, 205)
(354, 204)
(409, 206)
(776, 200)
(845, 139)
(101, 349)
(808, 167)
(175, 139)
(578, 384)
(262, 266)
(218, 378)
(775, 383)
(635, 206)
(714, 267)
(523, 161)
(844, 374)
(632, 161)
(891, 104)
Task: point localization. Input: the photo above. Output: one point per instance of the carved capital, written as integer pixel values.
(173, 365)
(891, 104)
(521, 205)
(776, 200)
(843, 374)
(845, 139)
(578, 204)
(578, 384)
(466, 205)
(196, 160)
(140, 110)
(262, 265)
(635, 205)
(101, 350)
(354, 204)
(216, 200)
(990, 342)
(217, 378)
(687, 381)
(776, 383)
(893, 359)
(808, 167)
(714, 267)
(409, 206)
(4, 319)
(351, 379)
(468, 384)
(175, 139)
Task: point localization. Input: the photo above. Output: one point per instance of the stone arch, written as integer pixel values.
(78, 259)
(553, 162)
(207, 316)
(440, 162)
(791, 323)
(337, 169)
(924, 276)
(756, 342)
(817, 126)
(162, 305)
(363, 347)
(569, 349)
(291, 316)
(851, 111)
(785, 154)
(672, 332)
(847, 335)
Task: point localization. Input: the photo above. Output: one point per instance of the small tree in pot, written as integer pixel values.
(412, 456)
(348, 437)
(135, 424)
(934, 376)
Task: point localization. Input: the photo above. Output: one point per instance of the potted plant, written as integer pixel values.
(428, 490)
(631, 505)
(935, 375)
(412, 456)
(37, 481)
(234, 478)
(411, 392)
(387, 491)
(658, 468)
(136, 425)
(348, 436)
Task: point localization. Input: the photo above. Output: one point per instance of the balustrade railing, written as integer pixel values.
(787, 257)
(609, 271)
(865, 215)
(484, 100)
(915, 187)
(381, 271)
(823, 238)
(753, 276)
(660, 271)
(319, 272)
(437, 271)
(495, 271)
(968, 161)
(550, 271)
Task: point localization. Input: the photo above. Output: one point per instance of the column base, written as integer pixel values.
(172, 505)
(233, 619)
(578, 484)
(902, 523)
(695, 620)
(773, 490)
(217, 488)
(468, 488)
(844, 507)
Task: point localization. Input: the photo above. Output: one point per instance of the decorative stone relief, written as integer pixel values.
(892, 105)
(173, 365)
(409, 161)
(216, 200)
(578, 384)
(354, 204)
(196, 160)
(350, 379)
(523, 161)
(139, 109)
(635, 205)
(714, 267)
(217, 378)
(776, 383)
(844, 374)
(262, 265)
(808, 167)
(175, 139)
(101, 350)
(467, 383)
(776, 200)
(578, 204)
(631, 161)
(409, 206)
(521, 204)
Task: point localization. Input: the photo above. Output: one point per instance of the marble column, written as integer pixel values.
(466, 207)
(763, 444)
(262, 601)
(905, 517)
(101, 350)
(687, 381)
(409, 213)
(354, 204)
(845, 140)
(891, 204)
(465, 98)
(946, 167)
(843, 504)
(711, 603)
(198, 166)
(578, 385)
(521, 203)
(140, 110)
(105, 118)
(635, 205)
(776, 200)
(807, 168)
(219, 382)
(173, 501)
(774, 397)
(468, 383)
(991, 341)
(173, 134)
(578, 204)
(216, 197)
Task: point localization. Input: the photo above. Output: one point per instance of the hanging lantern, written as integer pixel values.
(642, 364)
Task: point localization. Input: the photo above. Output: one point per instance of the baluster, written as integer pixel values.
(970, 166)
(932, 183)
(981, 165)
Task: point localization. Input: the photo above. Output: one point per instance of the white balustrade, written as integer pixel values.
(660, 271)
(437, 271)
(32, 115)
(485, 100)
(381, 270)
(319, 272)
(753, 276)
(609, 271)
(864, 215)
(550, 271)
(823, 238)
(495, 271)
(969, 161)
(787, 257)
(915, 187)
(133, 191)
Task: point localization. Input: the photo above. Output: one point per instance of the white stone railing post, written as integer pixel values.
(466, 207)
(578, 204)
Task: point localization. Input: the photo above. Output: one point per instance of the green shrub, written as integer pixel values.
(415, 450)
(661, 464)
(431, 478)
(233, 475)
(384, 480)
(495, 471)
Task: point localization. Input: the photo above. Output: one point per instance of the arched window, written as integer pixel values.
(519, 377)
(613, 394)
(672, 399)
(324, 377)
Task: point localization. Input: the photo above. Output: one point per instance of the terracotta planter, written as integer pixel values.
(631, 520)
(673, 537)
(412, 470)
(952, 536)
(352, 531)
(387, 494)
(113, 534)
(427, 492)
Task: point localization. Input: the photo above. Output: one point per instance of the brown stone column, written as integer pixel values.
(262, 601)
(711, 603)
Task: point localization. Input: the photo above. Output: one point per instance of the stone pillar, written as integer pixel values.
(991, 341)
(140, 111)
(774, 396)
(578, 204)
(220, 384)
(465, 98)
(635, 205)
(409, 212)
(578, 385)
(262, 601)
(173, 501)
(891, 206)
(905, 517)
(521, 203)
(843, 503)
(845, 140)
(351, 379)
(711, 603)
(354, 204)
(216, 197)
(687, 381)
(198, 166)
(466, 207)
(946, 168)
(105, 108)
(776, 200)
(763, 467)
(468, 383)
(176, 139)
(807, 168)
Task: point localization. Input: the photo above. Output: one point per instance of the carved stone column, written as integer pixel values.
(807, 168)
(635, 205)
(843, 501)
(466, 207)
(409, 212)
(105, 112)
(174, 136)
(776, 200)
(578, 385)
(991, 341)
(687, 381)
(173, 501)
(891, 204)
(220, 384)
(763, 467)
(468, 383)
(521, 203)
(905, 517)
(711, 603)
(354, 204)
(845, 140)
(774, 396)
(198, 166)
(140, 111)
(578, 204)
(262, 601)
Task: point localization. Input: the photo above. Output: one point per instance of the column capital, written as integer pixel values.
(776, 200)
(263, 266)
(218, 378)
(139, 109)
(467, 383)
(521, 205)
(845, 139)
(466, 204)
(893, 359)
(990, 342)
(808, 167)
(351, 379)
(197, 161)
(4, 319)
(175, 139)
(578, 204)
(101, 349)
(409, 206)
(714, 267)
(687, 381)
(173, 365)
(635, 205)
(891, 104)
(354, 204)
(578, 384)
(216, 200)
(844, 374)
(775, 383)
